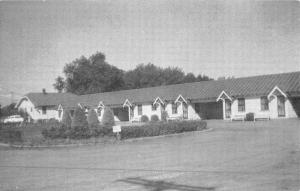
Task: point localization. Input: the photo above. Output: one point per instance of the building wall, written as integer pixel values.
(253, 105)
(36, 113)
(191, 112)
(146, 110)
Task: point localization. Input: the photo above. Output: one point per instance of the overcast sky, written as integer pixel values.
(216, 38)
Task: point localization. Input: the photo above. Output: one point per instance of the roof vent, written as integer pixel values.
(44, 91)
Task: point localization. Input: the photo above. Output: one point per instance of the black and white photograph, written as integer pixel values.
(156, 95)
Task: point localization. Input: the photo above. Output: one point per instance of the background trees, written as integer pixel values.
(94, 75)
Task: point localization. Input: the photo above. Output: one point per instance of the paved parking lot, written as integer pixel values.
(264, 155)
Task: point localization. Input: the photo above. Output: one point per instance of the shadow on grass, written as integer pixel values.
(161, 185)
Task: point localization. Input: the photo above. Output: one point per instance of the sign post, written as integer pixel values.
(117, 130)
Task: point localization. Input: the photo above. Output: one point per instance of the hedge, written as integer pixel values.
(161, 128)
(144, 118)
(63, 132)
(10, 135)
(154, 118)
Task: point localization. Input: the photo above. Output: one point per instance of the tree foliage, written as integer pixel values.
(92, 75)
(9, 110)
(108, 117)
(59, 84)
(95, 75)
(92, 118)
(66, 119)
(79, 119)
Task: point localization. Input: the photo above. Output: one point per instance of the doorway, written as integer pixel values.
(281, 106)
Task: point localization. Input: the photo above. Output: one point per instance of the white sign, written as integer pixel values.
(117, 129)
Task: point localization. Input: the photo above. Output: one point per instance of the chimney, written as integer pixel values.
(44, 91)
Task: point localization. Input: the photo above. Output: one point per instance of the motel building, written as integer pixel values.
(267, 96)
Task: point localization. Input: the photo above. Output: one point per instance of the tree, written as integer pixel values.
(66, 119)
(79, 119)
(203, 78)
(172, 75)
(9, 110)
(143, 76)
(108, 118)
(59, 84)
(91, 75)
(189, 77)
(94, 75)
(150, 75)
(92, 118)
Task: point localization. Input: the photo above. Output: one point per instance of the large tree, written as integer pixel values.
(94, 75)
(59, 84)
(90, 75)
(150, 75)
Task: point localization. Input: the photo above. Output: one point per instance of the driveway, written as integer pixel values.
(264, 155)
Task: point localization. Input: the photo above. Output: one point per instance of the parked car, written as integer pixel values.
(14, 119)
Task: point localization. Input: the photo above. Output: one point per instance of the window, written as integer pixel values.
(264, 103)
(44, 110)
(140, 110)
(241, 104)
(154, 107)
(174, 108)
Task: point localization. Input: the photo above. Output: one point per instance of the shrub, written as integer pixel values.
(92, 118)
(154, 118)
(66, 119)
(162, 128)
(250, 117)
(144, 118)
(164, 115)
(10, 135)
(79, 119)
(108, 118)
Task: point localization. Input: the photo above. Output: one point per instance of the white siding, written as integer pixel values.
(253, 105)
(191, 112)
(36, 113)
(146, 110)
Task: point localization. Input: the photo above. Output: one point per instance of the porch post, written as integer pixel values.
(129, 112)
(224, 110)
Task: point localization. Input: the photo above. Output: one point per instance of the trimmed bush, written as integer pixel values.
(164, 115)
(10, 135)
(162, 128)
(108, 118)
(144, 118)
(154, 118)
(249, 117)
(66, 119)
(79, 119)
(92, 118)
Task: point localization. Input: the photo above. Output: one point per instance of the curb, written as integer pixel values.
(89, 144)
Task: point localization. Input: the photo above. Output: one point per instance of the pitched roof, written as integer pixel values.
(53, 99)
(202, 91)
(197, 91)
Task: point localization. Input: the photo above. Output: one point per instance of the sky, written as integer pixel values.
(216, 38)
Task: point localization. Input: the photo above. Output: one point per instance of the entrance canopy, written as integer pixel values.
(276, 91)
(223, 96)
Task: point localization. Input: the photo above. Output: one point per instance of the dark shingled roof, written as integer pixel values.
(198, 91)
(53, 99)
(202, 91)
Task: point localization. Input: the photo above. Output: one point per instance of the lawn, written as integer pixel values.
(263, 155)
